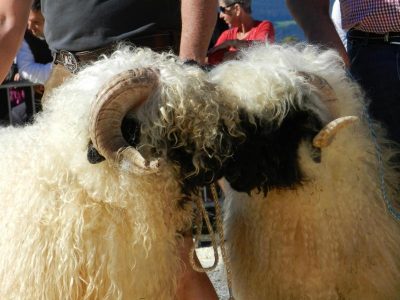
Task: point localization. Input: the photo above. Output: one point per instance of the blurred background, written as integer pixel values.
(276, 12)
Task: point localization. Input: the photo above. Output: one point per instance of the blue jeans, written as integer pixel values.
(377, 68)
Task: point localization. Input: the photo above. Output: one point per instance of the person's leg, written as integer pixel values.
(58, 75)
(376, 68)
(193, 285)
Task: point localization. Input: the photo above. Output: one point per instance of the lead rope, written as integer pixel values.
(202, 213)
(220, 230)
(381, 169)
(378, 152)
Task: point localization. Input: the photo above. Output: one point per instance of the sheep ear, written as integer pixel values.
(325, 137)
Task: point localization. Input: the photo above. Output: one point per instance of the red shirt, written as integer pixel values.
(262, 31)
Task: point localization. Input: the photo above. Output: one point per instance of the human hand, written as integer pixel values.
(224, 45)
(230, 55)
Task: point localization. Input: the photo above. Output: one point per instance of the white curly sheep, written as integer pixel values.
(74, 230)
(305, 215)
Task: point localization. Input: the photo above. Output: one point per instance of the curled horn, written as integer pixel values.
(322, 86)
(324, 89)
(125, 92)
(325, 136)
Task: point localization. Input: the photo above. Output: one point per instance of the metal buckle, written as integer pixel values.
(69, 61)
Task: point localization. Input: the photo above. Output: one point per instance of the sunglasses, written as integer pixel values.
(222, 9)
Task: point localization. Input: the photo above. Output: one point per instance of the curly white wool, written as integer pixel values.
(72, 230)
(330, 238)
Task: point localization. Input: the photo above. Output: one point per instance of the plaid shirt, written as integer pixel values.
(378, 16)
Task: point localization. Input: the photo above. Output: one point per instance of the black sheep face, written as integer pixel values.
(192, 178)
(265, 158)
(212, 165)
(268, 158)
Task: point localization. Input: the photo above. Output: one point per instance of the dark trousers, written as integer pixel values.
(376, 66)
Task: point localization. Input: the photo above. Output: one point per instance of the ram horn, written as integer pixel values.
(125, 92)
(325, 137)
(324, 89)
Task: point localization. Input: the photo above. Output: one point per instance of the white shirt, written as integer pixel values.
(28, 68)
(337, 21)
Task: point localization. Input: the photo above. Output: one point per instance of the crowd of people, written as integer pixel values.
(78, 32)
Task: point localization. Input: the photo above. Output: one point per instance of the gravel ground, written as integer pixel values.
(218, 275)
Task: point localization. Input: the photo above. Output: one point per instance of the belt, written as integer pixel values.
(74, 61)
(392, 38)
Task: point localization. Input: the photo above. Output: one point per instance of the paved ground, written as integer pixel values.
(218, 276)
